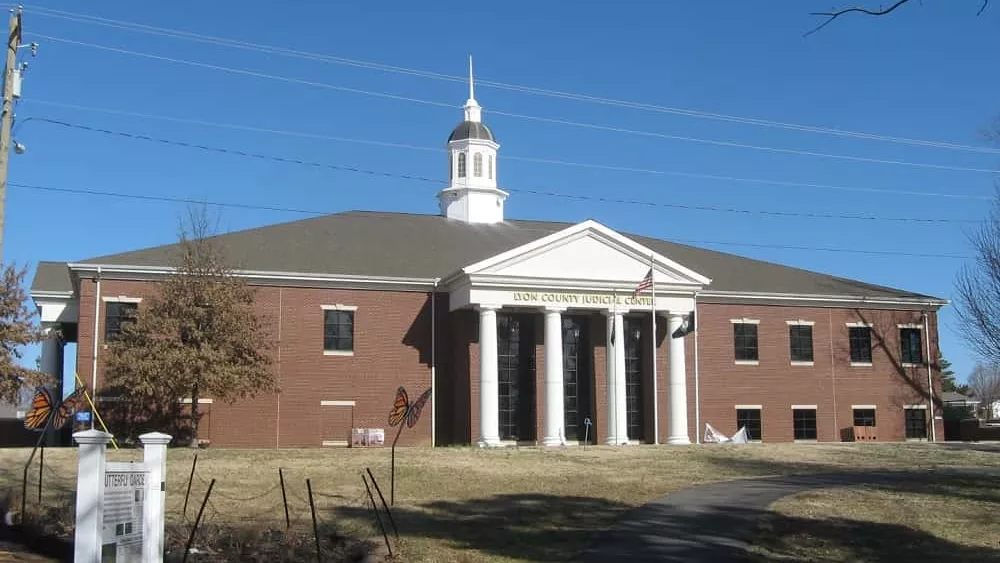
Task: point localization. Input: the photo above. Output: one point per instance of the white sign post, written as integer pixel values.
(120, 505)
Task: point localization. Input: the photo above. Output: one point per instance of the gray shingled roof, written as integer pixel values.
(428, 246)
(471, 130)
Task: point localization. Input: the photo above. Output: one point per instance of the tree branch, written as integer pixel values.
(830, 16)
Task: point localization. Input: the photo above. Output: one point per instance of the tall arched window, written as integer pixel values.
(477, 165)
(461, 165)
(489, 169)
(451, 165)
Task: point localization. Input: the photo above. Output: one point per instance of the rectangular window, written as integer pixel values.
(916, 423)
(864, 417)
(750, 418)
(338, 331)
(909, 342)
(116, 315)
(800, 339)
(804, 423)
(745, 341)
(861, 344)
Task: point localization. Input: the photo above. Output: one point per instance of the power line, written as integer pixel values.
(591, 165)
(201, 38)
(592, 126)
(546, 193)
(171, 199)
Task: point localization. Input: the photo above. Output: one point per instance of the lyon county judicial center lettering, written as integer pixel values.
(527, 329)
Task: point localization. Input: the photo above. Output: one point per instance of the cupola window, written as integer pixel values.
(477, 165)
(489, 168)
(461, 165)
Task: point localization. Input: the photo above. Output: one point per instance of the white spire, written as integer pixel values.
(472, 86)
(472, 110)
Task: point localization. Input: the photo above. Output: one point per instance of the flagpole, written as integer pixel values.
(656, 396)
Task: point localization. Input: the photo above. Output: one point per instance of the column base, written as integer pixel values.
(553, 441)
(489, 443)
(678, 441)
(615, 442)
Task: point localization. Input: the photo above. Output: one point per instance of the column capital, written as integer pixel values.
(553, 309)
(481, 307)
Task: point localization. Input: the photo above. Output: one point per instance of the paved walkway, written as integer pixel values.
(714, 522)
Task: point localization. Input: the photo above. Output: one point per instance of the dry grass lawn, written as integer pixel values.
(953, 519)
(465, 504)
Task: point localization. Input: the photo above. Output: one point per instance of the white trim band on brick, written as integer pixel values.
(187, 401)
(858, 324)
(120, 299)
(748, 407)
(910, 325)
(339, 307)
(804, 407)
(863, 407)
(800, 322)
(336, 403)
(921, 407)
(745, 321)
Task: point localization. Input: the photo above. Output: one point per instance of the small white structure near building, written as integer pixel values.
(120, 506)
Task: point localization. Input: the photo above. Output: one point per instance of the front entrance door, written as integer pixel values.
(577, 377)
(516, 371)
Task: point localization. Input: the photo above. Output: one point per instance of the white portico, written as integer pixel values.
(584, 269)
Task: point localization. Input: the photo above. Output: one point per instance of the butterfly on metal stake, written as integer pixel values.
(44, 406)
(403, 409)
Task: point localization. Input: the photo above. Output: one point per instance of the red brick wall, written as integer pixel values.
(832, 383)
(392, 348)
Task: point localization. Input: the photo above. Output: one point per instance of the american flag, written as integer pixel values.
(646, 283)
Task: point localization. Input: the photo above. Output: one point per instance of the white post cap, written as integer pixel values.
(92, 436)
(155, 439)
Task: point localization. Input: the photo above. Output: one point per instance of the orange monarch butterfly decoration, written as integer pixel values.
(403, 410)
(44, 407)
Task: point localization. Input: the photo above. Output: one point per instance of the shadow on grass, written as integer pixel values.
(529, 527)
(839, 539)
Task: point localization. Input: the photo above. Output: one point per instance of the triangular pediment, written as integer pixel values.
(586, 251)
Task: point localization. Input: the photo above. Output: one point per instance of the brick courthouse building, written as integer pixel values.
(511, 323)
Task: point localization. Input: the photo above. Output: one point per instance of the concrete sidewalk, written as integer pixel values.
(717, 522)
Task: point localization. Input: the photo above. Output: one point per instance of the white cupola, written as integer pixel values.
(472, 194)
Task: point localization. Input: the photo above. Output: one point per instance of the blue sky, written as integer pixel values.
(927, 72)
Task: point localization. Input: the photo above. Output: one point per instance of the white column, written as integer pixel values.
(617, 421)
(52, 355)
(489, 384)
(89, 495)
(155, 458)
(554, 406)
(678, 431)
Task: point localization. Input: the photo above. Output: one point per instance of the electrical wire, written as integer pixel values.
(547, 193)
(207, 39)
(609, 167)
(556, 121)
(173, 199)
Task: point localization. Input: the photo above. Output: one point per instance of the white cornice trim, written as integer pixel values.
(337, 280)
(840, 300)
(490, 281)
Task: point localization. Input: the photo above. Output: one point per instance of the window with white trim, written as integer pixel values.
(477, 165)
(860, 339)
(745, 342)
(909, 346)
(461, 165)
(915, 422)
(864, 417)
(804, 424)
(800, 342)
(118, 314)
(489, 168)
(338, 329)
(750, 418)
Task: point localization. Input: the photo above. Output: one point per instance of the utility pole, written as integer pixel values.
(7, 118)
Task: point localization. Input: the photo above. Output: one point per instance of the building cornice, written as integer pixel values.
(264, 277)
(819, 300)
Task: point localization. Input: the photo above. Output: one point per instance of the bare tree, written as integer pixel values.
(880, 11)
(17, 329)
(197, 336)
(984, 382)
(977, 300)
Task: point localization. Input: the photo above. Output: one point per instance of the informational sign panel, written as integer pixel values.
(124, 496)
